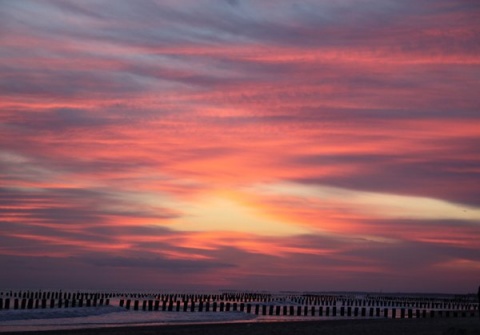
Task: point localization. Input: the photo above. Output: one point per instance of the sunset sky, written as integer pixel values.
(240, 144)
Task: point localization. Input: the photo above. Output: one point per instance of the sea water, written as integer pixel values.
(105, 316)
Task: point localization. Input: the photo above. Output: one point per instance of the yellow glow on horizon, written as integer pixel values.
(230, 213)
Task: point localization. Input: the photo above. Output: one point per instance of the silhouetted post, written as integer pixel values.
(478, 296)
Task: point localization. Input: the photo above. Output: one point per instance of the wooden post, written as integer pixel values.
(52, 303)
(150, 305)
(135, 305)
(127, 306)
(192, 306)
(185, 305)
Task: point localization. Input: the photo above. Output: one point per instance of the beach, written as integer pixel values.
(447, 326)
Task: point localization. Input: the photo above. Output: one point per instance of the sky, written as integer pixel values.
(253, 145)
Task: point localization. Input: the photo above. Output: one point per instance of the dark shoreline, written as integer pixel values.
(447, 326)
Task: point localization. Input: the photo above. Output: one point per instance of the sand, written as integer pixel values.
(441, 326)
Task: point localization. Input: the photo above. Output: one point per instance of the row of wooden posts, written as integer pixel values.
(289, 310)
(238, 301)
(306, 299)
(24, 303)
